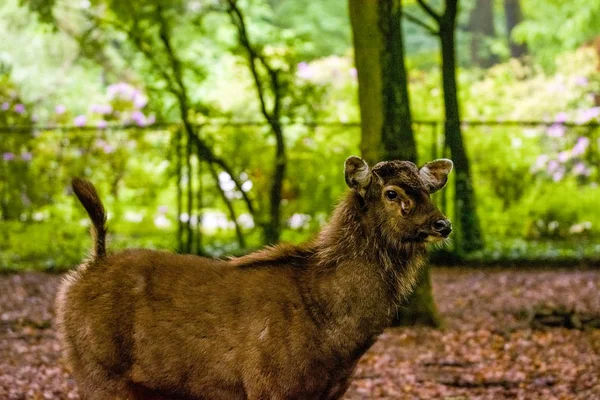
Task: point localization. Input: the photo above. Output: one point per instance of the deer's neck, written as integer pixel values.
(360, 278)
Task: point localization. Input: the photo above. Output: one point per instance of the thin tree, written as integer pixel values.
(469, 235)
(268, 83)
(386, 122)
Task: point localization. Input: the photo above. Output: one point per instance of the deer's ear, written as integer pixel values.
(435, 174)
(358, 174)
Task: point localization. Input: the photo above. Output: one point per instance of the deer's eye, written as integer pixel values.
(391, 195)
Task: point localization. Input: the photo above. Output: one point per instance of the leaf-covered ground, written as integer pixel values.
(487, 349)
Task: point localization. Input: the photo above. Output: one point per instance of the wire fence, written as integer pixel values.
(162, 194)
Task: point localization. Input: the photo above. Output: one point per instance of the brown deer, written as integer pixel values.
(285, 322)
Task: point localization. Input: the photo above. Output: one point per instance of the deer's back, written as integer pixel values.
(188, 324)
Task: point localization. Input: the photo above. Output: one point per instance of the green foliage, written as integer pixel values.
(16, 178)
(551, 27)
(315, 21)
(123, 75)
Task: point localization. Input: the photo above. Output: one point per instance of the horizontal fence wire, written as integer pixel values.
(33, 129)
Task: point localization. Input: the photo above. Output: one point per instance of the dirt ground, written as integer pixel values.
(487, 349)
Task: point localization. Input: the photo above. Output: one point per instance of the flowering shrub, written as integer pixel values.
(123, 104)
(569, 153)
(520, 173)
(13, 110)
(16, 179)
(32, 164)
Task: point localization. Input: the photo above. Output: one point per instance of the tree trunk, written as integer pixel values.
(364, 17)
(386, 121)
(469, 236)
(514, 16)
(481, 26)
(419, 308)
(396, 133)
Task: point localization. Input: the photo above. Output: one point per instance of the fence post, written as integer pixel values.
(179, 190)
(199, 206)
(190, 195)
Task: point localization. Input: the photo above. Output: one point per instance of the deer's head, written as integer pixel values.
(396, 195)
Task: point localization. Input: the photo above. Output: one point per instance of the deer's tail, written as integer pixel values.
(87, 195)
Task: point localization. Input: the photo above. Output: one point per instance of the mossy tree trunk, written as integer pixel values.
(386, 121)
(470, 237)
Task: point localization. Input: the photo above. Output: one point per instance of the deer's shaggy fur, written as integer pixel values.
(286, 322)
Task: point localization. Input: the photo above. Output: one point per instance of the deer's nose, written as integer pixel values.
(443, 227)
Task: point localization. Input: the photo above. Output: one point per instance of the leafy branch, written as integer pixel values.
(256, 59)
(417, 21)
(429, 10)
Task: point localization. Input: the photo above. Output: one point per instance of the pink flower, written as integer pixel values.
(60, 109)
(588, 115)
(121, 90)
(564, 156)
(139, 100)
(304, 71)
(101, 108)
(19, 108)
(353, 73)
(581, 81)
(113, 90)
(107, 148)
(80, 120)
(102, 124)
(581, 146)
(581, 170)
(556, 130)
(8, 156)
(561, 118)
(139, 118)
(26, 156)
(553, 166)
(558, 175)
(5, 106)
